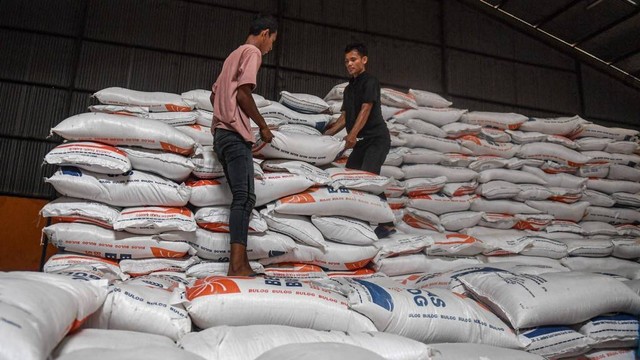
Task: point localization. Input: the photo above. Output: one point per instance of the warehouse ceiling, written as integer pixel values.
(604, 33)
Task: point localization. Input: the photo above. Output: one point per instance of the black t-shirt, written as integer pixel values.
(364, 88)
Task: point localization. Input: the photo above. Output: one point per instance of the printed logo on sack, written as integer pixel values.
(175, 149)
(164, 253)
(302, 198)
(379, 295)
(71, 171)
(212, 285)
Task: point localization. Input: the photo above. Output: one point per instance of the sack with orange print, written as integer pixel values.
(336, 256)
(358, 180)
(330, 202)
(295, 271)
(169, 165)
(155, 101)
(238, 301)
(216, 219)
(454, 244)
(125, 130)
(66, 209)
(200, 134)
(150, 220)
(215, 245)
(91, 156)
(96, 241)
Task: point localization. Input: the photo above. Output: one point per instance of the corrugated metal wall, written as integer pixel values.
(56, 54)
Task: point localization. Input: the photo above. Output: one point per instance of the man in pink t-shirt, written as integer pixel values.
(233, 110)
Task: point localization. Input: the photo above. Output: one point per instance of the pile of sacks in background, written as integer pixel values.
(518, 234)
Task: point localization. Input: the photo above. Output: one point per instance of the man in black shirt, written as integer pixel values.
(367, 131)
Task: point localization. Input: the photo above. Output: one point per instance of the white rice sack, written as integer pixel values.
(283, 113)
(512, 176)
(424, 186)
(295, 271)
(554, 126)
(592, 143)
(623, 172)
(460, 188)
(612, 215)
(596, 198)
(298, 227)
(427, 98)
(613, 186)
(441, 204)
(316, 150)
(626, 248)
(141, 308)
(91, 156)
(200, 134)
(553, 152)
(621, 159)
(273, 186)
(498, 221)
(612, 331)
(558, 180)
(457, 130)
(628, 230)
(174, 118)
(594, 170)
(498, 189)
(609, 265)
(517, 164)
(428, 316)
(503, 242)
(141, 353)
(395, 189)
(155, 220)
(553, 167)
(395, 156)
(39, 309)
(343, 202)
(83, 267)
(435, 116)
(319, 351)
(456, 221)
(212, 268)
(392, 172)
(216, 219)
(483, 147)
(136, 188)
(487, 163)
(401, 244)
(345, 230)
(495, 135)
(109, 339)
(337, 92)
(610, 354)
(215, 246)
(554, 342)
(125, 130)
(561, 211)
(534, 222)
(215, 301)
(592, 228)
(626, 199)
(455, 174)
(155, 101)
(503, 206)
(138, 268)
(561, 140)
(454, 351)
(299, 129)
(599, 131)
(419, 263)
(496, 120)
(527, 301)
(334, 106)
(96, 241)
(139, 111)
(66, 209)
(231, 342)
(457, 160)
(520, 137)
(357, 180)
(204, 118)
(423, 127)
(169, 165)
(564, 226)
(207, 165)
(454, 244)
(422, 219)
(395, 98)
(201, 98)
(622, 147)
(590, 248)
(422, 156)
(303, 103)
(336, 256)
(321, 177)
(434, 143)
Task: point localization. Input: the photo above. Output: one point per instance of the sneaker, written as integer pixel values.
(382, 231)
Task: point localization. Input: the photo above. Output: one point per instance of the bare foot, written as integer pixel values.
(239, 261)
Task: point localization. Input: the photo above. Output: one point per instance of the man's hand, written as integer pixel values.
(330, 129)
(266, 135)
(350, 141)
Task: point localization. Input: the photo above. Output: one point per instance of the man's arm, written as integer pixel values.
(336, 126)
(248, 106)
(361, 120)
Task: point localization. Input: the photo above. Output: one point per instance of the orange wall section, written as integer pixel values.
(20, 233)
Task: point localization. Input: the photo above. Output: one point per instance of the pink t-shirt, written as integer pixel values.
(240, 68)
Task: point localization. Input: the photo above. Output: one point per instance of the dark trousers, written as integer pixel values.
(369, 154)
(235, 156)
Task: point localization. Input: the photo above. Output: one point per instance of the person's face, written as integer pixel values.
(354, 62)
(267, 39)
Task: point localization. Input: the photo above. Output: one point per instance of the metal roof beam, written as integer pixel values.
(606, 28)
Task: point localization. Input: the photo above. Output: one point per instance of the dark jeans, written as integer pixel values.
(237, 161)
(369, 154)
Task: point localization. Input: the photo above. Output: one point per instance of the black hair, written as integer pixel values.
(359, 47)
(263, 22)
